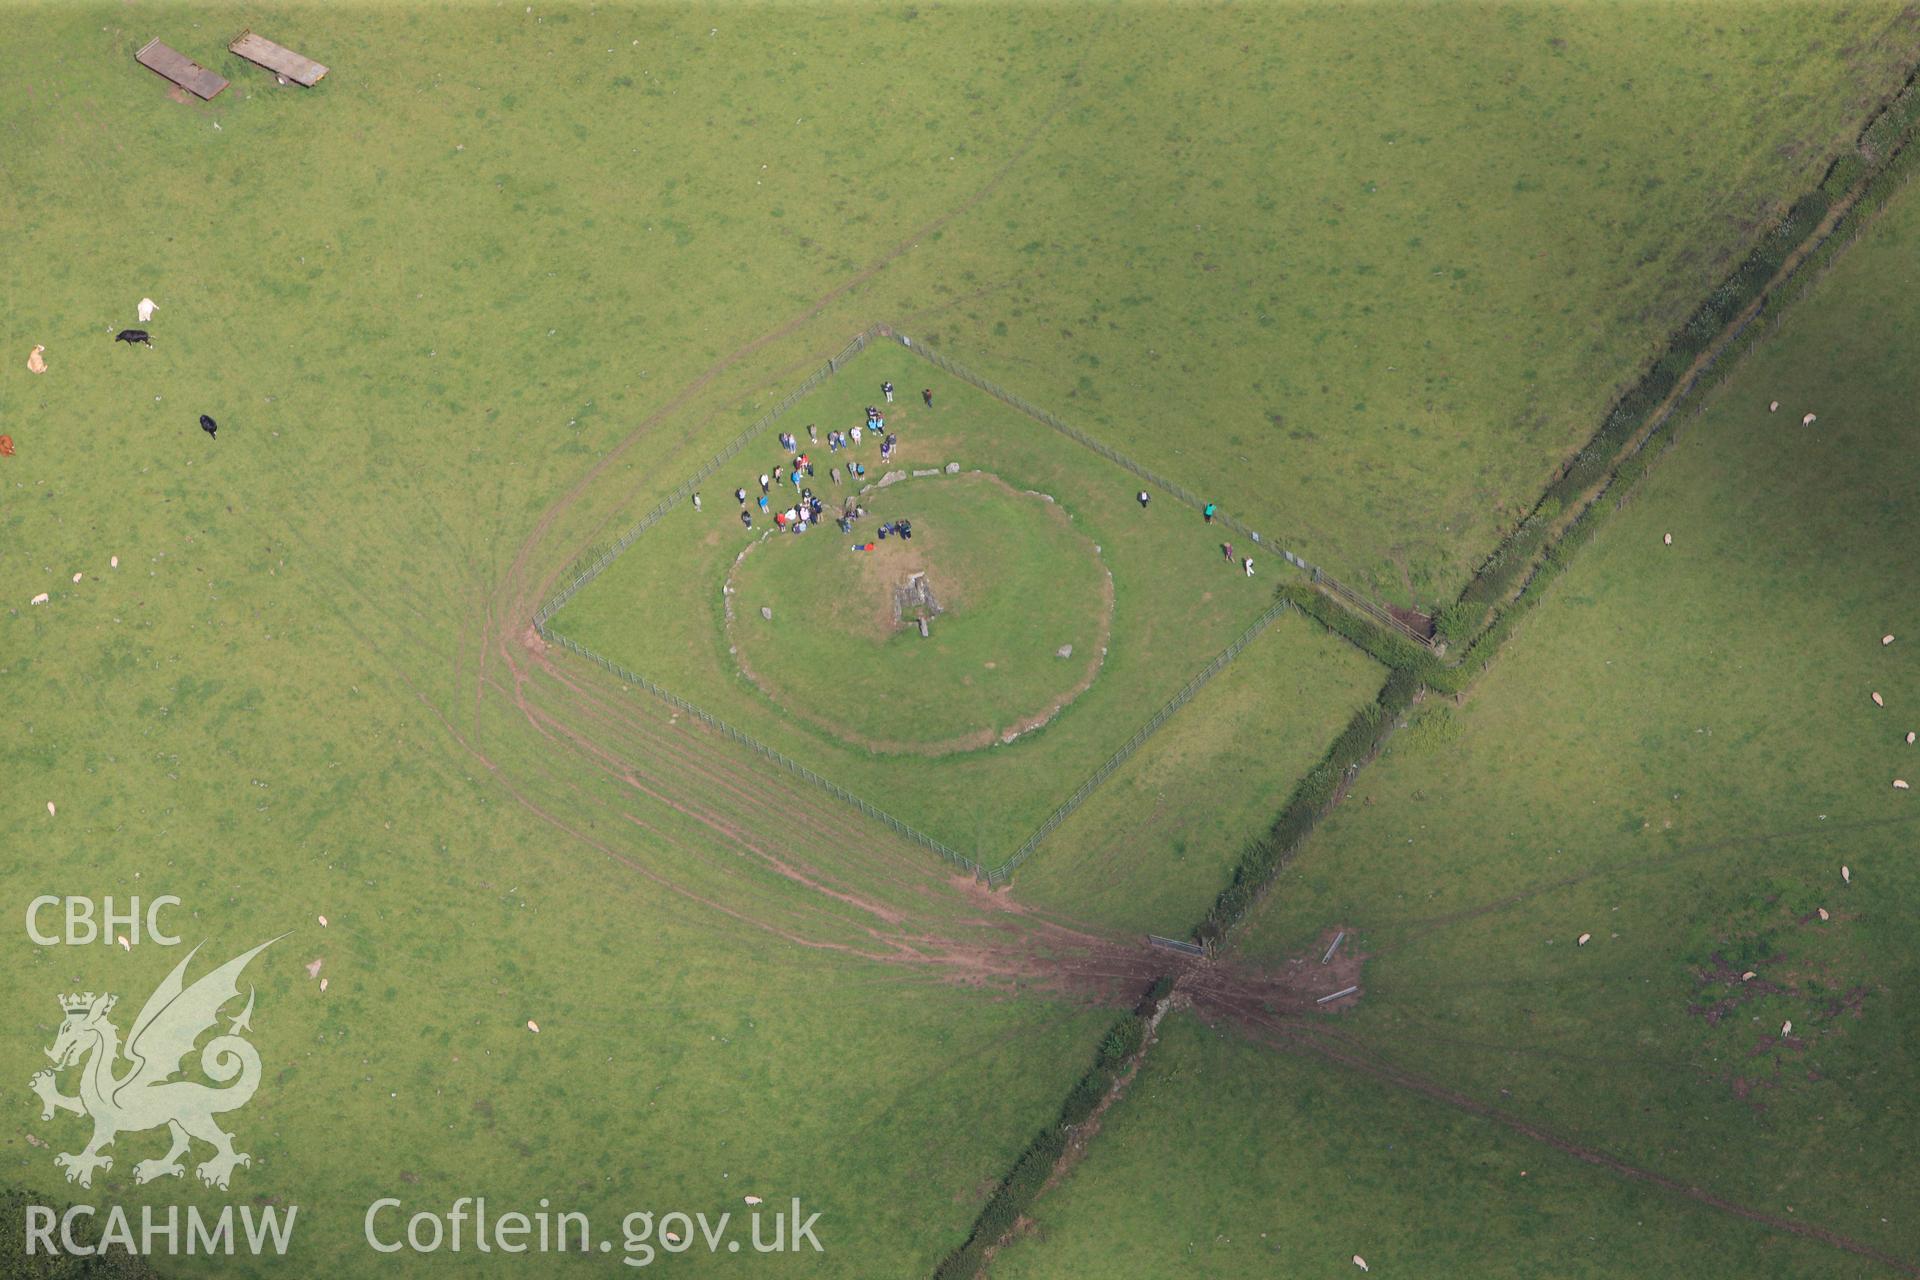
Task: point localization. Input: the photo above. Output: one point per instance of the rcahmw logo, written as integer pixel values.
(145, 1094)
(162, 1230)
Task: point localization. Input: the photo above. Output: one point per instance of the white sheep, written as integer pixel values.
(1774, 407)
(1823, 913)
(323, 984)
(322, 920)
(533, 1026)
(1747, 976)
(1667, 539)
(1900, 784)
(1583, 940)
(1886, 639)
(39, 599)
(1359, 1262)
(1909, 737)
(1786, 1028)
(51, 811)
(1846, 874)
(146, 309)
(751, 1199)
(1878, 701)
(113, 562)
(37, 363)
(1807, 421)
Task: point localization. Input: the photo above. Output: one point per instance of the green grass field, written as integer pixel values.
(1371, 272)
(511, 272)
(1677, 756)
(1176, 602)
(1257, 1163)
(1161, 836)
(276, 707)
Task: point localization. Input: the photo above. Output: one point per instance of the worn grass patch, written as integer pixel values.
(1011, 583)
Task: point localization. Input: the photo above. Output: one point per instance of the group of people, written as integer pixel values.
(799, 467)
(808, 509)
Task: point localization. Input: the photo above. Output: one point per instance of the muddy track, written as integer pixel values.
(679, 774)
(593, 741)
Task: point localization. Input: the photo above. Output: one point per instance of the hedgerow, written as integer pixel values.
(1311, 798)
(1882, 153)
(1017, 1191)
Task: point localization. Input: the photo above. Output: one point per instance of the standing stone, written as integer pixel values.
(953, 468)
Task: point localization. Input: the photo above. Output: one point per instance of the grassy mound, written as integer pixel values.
(1008, 583)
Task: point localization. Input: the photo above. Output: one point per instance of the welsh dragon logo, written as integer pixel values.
(145, 1095)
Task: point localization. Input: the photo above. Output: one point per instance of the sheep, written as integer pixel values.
(1900, 784)
(1583, 940)
(124, 944)
(1786, 1028)
(146, 309)
(51, 811)
(323, 984)
(322, 920)
(1878, 701)
(1807, 421)
(1909, 737)
(751, 1199)
(1886, 639)
(1359, 1262)
(76, 577)
(1667, 539)
(533, 1026)
(42, 598)
(1823, 913)
(37, 363)
(113, 562)
(1747, 976)
(1774, 407)
(1846, 874)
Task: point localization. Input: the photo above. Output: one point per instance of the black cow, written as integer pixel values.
(131, 336)
(209, 426)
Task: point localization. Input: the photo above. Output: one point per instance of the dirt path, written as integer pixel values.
(597, 731)
(601, 739)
